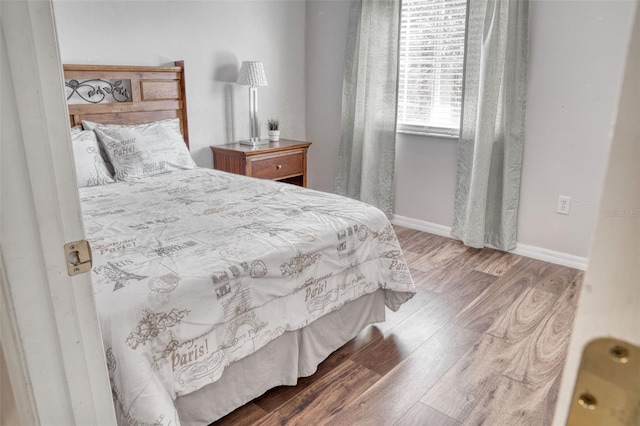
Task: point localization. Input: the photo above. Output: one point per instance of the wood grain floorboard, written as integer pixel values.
(276, 397)
(458, 392)
(383, 355)
(469, 259)
(557, 280)
(540, 357)
(421, 415)
(248, 414)
(433, 280)
(421, 298)
(272, 419)
(523, 316)
(453, 261)
(393, 395)
(480, 314)
(443, 278)
(498, 262)
(511, 403)
(439, 255)
(328, 396)
(418, 242)
(527, 343)
(437, 280)
(546, 408)
(482, 342)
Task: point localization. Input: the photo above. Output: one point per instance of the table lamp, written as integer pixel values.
(252, 74)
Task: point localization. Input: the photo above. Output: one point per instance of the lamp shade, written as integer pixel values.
(252, 74)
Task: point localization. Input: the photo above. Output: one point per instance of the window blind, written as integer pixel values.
(432, 36)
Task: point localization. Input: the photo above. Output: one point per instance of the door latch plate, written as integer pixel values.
(78, 257)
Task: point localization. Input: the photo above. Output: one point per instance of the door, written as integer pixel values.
(609, 304)
(50, 334)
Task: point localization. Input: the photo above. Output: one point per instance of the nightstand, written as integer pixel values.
(285, 160)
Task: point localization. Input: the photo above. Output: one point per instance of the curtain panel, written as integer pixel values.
(491, 139)
(366, 158)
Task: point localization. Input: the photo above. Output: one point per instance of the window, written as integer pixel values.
(431, 57)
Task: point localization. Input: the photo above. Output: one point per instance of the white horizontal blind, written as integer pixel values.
(432, 36)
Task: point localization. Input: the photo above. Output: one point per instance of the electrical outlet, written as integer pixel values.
(564, 204)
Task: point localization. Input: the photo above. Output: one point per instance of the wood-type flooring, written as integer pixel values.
(482, 342)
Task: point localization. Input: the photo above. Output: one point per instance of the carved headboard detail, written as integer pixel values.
(113, 94)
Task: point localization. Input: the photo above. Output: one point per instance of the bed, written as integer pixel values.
(211, 288)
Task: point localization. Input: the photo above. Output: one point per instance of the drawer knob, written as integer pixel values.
(279, 166)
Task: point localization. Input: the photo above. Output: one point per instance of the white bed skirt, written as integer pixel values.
(292, 355)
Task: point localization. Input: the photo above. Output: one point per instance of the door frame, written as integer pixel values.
(53, 323)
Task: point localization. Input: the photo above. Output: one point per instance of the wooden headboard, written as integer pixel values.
(111, 94)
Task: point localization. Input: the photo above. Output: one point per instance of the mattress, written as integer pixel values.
(197, 269)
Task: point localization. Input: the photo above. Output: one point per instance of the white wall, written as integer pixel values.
(213, 38)
(574, 76)
(575, 70)
(425, 178)
(577, 54)
(326, 23)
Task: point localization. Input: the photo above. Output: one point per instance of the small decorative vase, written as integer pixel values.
(274, 135)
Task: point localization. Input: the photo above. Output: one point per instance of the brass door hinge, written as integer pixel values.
(78, 256)
(607, 390)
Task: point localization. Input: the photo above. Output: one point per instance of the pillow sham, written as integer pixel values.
(90, 168)
(89, 125)
(141, 150)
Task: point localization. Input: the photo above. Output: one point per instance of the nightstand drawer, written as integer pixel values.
(277, 167)
(285, 160)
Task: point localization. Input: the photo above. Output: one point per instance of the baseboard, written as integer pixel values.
(421, 225)
(552, 256)
(525, 250)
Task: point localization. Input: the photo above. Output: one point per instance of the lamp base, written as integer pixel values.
(254, 142)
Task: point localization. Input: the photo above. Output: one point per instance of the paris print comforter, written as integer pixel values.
(196, 269)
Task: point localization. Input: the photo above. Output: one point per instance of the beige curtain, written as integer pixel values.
(492, 132)
(369, 97)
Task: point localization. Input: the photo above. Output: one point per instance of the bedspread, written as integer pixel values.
(196, 269)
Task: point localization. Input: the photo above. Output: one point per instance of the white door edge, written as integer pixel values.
(14, 356)
(70, 385)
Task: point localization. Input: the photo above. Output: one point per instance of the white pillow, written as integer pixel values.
(142, 150)
(89, 125)
(90, 168)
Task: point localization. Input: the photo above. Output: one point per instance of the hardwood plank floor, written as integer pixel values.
(482, 342)
(328, 396)
(420, 414)
(399, 342)
(397, 391)
(458, 392)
